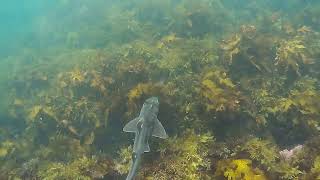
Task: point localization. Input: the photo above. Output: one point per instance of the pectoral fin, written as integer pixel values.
(131, 126)
(158, 130)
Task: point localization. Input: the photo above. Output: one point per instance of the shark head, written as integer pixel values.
(152, 100)
(152, 104)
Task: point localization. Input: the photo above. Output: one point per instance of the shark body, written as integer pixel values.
(144, 126)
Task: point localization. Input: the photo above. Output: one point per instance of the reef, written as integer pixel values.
(238, 85)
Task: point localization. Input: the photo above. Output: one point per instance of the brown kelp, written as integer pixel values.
(238, 86)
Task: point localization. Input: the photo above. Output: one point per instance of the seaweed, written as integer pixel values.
(263, 152)
(82, 168)
(238, 169)
(182, 157)
(123, 163)
(233, 69)
(219, 92)
(291, 53)
(315, 171)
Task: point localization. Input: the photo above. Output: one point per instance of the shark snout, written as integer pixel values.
(153, 100)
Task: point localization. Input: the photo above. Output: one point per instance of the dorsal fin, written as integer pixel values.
(131, 126)
(158, 130)
(147, 147)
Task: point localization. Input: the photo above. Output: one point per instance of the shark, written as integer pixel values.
(144, 126)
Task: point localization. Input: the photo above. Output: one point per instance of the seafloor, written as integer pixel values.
(238, 84)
